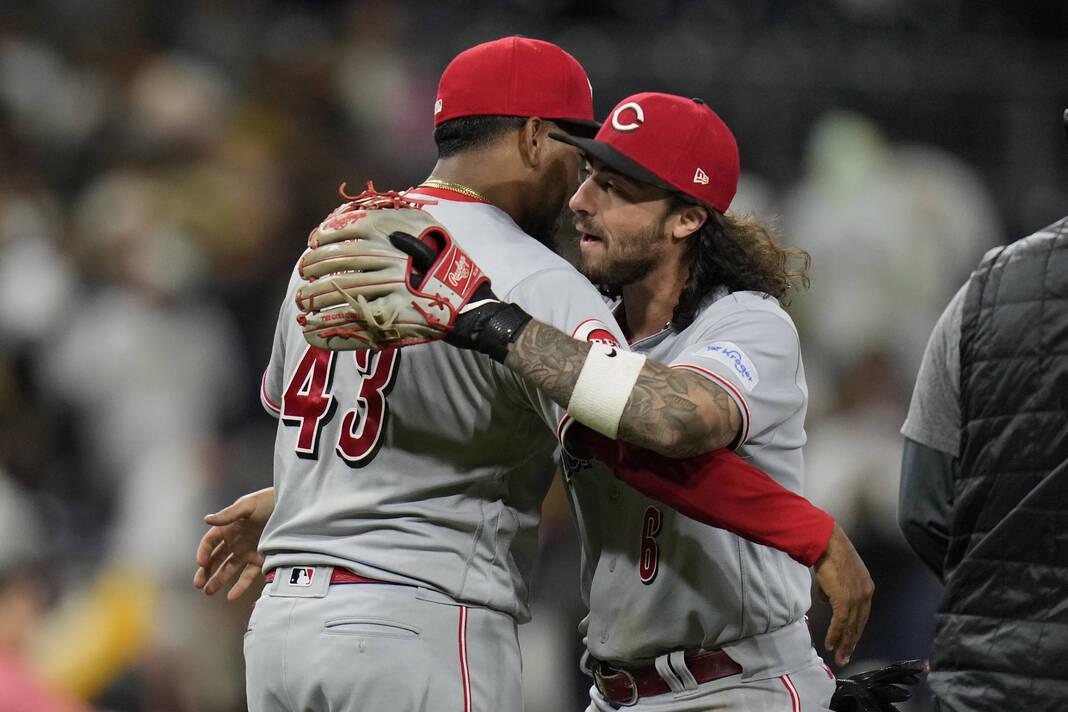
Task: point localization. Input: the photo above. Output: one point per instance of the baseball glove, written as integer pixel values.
(877, 690)
(382, 273)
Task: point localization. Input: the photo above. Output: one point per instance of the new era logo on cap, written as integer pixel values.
(700, 177)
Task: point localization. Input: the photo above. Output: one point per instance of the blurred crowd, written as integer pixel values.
(162, 163)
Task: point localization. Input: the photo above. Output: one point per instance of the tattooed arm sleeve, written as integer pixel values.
(673, 412)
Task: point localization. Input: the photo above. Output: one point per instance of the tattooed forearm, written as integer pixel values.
(677, 413)
(671, 411)
(549, 359)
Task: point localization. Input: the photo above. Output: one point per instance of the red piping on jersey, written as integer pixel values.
(726, 384)
(447, 195)
(583, 324)
(465, 673)
(276, 409)
(794, 697)
(599, 326)
(562, 426)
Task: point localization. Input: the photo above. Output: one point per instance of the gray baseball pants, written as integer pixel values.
(321, 647)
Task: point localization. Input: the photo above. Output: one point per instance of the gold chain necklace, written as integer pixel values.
(455, 187)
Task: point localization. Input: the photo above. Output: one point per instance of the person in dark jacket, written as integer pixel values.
(984, 480)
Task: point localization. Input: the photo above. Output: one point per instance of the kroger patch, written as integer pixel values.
(734, 358)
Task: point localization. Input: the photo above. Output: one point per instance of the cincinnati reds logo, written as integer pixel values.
(596, 332)
(602, 336)
(639, 117)
(461, 271)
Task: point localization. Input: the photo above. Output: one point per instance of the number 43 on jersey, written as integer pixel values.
(309, 402)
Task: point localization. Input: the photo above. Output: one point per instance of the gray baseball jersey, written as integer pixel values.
(658, 581)
(425, 465)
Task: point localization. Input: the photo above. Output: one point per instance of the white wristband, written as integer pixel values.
(603, 387)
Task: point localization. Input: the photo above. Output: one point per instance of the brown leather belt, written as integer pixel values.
(339, 576)
(624, 687)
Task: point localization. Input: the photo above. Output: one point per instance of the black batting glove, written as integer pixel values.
(877, 690)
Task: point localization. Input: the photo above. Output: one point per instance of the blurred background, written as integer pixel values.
(161, 164)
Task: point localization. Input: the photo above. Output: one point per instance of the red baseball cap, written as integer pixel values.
(517, 76)
(669, 141)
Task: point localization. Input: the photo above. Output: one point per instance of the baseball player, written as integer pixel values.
(684, 617)
(402, 467)
(422, 470)
(681, 616)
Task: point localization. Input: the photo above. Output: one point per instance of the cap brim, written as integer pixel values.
(615, 160)
(579, 127)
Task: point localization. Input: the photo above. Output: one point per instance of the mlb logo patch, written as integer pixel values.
(301, 577)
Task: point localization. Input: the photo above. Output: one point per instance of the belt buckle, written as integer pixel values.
(598, 680)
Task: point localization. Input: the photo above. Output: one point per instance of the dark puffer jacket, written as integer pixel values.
(1001, 633)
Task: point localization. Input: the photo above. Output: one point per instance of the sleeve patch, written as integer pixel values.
(734, 358)
(596, 331)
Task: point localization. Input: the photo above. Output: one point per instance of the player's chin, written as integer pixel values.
(592, 263)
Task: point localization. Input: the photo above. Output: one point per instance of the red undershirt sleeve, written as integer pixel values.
(722, 490)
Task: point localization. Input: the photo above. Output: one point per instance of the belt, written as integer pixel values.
(624, 687)
(339, 576)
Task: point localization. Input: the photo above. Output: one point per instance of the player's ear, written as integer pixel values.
(687, 220)
(532, 139)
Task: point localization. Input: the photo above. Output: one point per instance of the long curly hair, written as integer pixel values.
(742, 254)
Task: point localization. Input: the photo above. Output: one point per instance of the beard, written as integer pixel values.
(635, 259)
(544, 222)
(566, 238)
